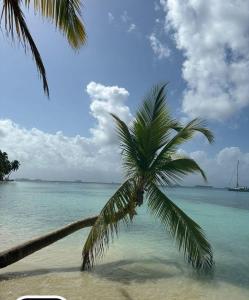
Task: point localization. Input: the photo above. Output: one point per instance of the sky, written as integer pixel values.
(201, 48)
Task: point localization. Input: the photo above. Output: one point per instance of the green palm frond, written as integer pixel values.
(15, 23)
(150, 157)
(152, 124)
(66, 15)
(128, 147)
(188, 234)
(183, 135)
(174, 170)
(120, 207)
(153, 105)
(196, 125)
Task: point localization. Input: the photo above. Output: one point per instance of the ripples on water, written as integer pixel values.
(142, 264)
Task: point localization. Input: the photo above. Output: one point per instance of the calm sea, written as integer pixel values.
(143, 263)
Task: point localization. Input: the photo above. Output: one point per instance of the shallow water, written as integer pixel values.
(143, 263)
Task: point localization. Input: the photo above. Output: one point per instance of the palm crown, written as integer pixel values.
(65, 14)
(150, 159)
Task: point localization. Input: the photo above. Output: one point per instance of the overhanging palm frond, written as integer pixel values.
(15, 22)
(196, 125)
(66, 15)
(120, 207)
(176, 169)
(186, 232)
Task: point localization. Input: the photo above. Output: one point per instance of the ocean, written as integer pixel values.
(142, 263)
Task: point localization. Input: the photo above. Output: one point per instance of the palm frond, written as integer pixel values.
(66, 15)
(15, 23)
(183, 135)
(152, 124)
(153, 105)
(188, 234)
(196, 125)
(120, 207)
(128, 146)
(173, 170)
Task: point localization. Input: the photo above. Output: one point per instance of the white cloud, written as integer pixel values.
(106, 99)
(160, 50)
(132, 27)
(213, 36)
(97, 158)
(56, 156)
(220, 169)
(110, 17)
(59, 157)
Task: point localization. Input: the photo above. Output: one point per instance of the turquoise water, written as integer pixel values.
(142, 263)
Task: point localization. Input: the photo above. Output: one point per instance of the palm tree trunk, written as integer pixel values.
(17, 253)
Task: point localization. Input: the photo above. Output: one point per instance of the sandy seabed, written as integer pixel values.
(56, 271)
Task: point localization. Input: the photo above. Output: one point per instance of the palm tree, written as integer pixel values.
(150, 160)
(65, 14)
(14, 166)
(6, 166)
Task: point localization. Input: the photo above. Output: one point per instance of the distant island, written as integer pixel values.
(204, 186)
(198, 186)
(63, 181)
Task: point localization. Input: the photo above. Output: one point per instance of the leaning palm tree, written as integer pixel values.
(151, 161)
(65, 14)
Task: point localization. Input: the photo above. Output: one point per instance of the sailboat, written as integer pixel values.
(238, 188)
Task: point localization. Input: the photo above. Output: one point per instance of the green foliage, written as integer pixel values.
(65, 14)
(150, 159)
(120, 207)
(6, 166)
(188, 234)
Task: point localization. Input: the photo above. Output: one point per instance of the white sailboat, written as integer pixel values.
(238, 188)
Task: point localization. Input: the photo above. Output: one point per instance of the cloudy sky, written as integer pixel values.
(200, 47)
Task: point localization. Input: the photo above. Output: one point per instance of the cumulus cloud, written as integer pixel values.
(59, 157)
(106, 100)
(220, 169)
(97, 158)
(160, 50)
(213, 36)
(56, 156)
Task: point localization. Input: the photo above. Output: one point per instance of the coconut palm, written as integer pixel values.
(6, 166)
(65, 14)
(151, 161)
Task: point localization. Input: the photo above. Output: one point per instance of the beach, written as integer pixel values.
(143, 263)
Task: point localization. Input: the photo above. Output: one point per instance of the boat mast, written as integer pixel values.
(237, 184)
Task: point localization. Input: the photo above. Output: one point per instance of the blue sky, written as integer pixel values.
(133, 45)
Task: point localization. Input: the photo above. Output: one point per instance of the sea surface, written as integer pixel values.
(142, 263)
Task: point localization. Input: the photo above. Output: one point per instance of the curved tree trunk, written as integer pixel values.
(17, 253)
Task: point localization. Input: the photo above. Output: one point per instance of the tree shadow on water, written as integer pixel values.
(123, 271)
(37, 272)
(127, 271)
(142, 270)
